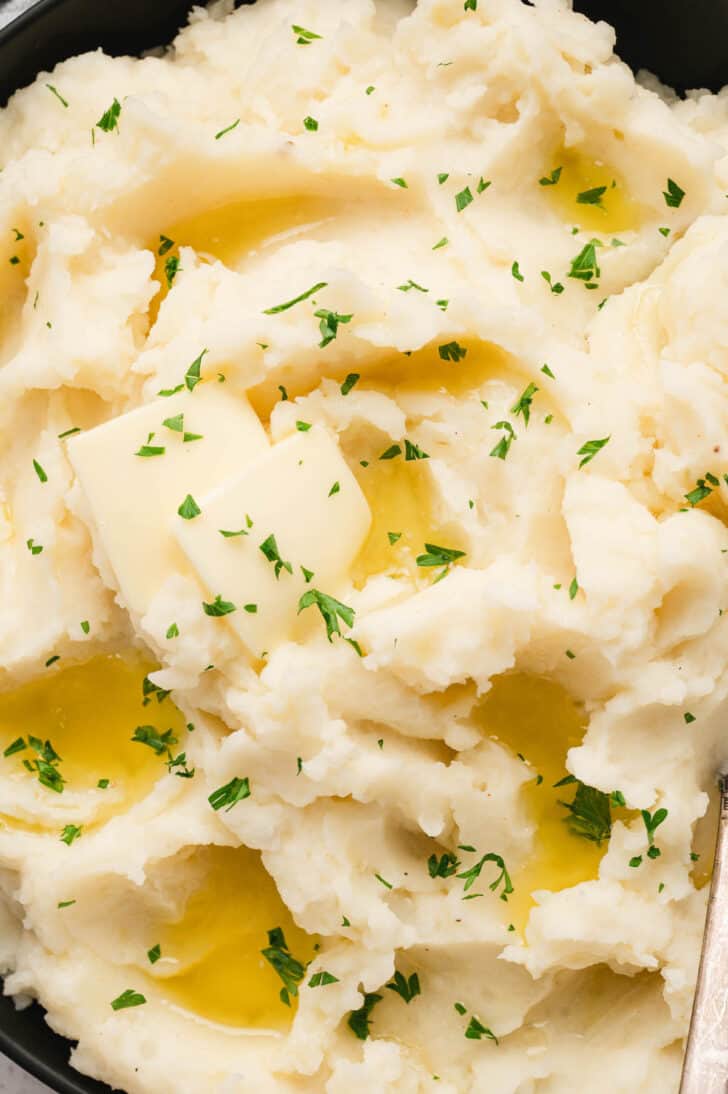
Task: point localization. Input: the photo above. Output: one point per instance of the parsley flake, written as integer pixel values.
(227, 129)
(230, 794)
(329, 325)
(406, 989)
(285, 964)
(673, 195)
(128, 998)
(331, 610)
(463, 199)
(552, 179)
(56, 92)
(109, 120)
(269, 548)
(452, 351)
(218, 607)
(189, 509)
(590, 448)
(349, 382)
(296, 299)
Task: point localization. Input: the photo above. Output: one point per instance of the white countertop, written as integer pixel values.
(12, 1079)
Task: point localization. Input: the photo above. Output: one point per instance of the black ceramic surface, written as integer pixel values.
(684, 41)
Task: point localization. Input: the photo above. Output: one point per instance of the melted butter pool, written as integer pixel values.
(89, 712)
(216, 945)
(615, 212)
(537, 718)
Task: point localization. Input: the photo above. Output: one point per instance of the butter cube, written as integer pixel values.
(134, 489)
(297, 511)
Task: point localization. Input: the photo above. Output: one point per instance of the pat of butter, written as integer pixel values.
(133, 498)
(303, 494)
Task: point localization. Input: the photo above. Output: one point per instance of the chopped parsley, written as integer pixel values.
(69, 432)
(230, 794)
(172, 631)
(701, 490)
(227, 129)
(147, 451)
(218, 607)
(269, 548)
(165, 244)
(547, 372)
(335, 489)
(438, 556)
(171, 269)
(483, 184)
(349, 382)
(42, 476)
(285, 964)
(476, 1031)
(303, 427)
(688, 717)
(154, 954)
(589, 450)
(503, 878)
(502, 448)
(463, 199)
(370, 89)
(359, 1021)
(652, 822)
(584, 267)
(590, 813)
(109, 120)
(304, 37)
(664, 232)
(322, 978)
(452, 351)
(470, 5)
(523, 403)
(413, 452)
(70, 833)
(45, 765)
(443, 177)
(673, 195)
(85, 626)
(556, 287)
(410, 284)
(296, 299)
(444, 866)
(189, 509)
(441, 243)
(552, 179)
(192, 376)
(329, 325)
(331, 610)
(400, 182)
(591, 197)
(128, 998)
(56, 92)
(158, 742)
(573, 588)
(393, 537)
(33, 547)
(516, 272)
(406, 989)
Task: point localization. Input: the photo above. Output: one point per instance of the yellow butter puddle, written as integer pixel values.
(615, 211)
(16, 259)
(400, 495)
(89, 712)
(537, 719)
(211, 962)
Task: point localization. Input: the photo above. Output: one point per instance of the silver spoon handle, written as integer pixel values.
(705, 1070)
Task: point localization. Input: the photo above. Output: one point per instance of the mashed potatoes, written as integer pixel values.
(363, 395)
